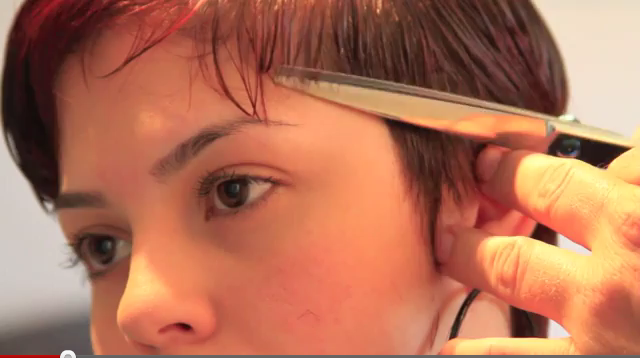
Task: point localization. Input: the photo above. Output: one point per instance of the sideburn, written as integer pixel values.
(433, 160)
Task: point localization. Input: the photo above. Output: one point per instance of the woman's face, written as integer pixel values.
(206, 231)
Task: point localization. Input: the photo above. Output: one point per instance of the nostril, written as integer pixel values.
(184, 327)
(180, 327)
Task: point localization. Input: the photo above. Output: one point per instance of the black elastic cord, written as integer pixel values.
(457, 323)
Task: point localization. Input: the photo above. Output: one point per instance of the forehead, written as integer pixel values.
(149, 99)
(124, 122)
(176, 76)
(164, 91)
(89, 76)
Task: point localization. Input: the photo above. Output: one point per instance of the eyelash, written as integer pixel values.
(210, 180)
(207, 184)
(74, 256)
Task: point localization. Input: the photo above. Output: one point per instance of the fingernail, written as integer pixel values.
(444, 243)
(488, 163)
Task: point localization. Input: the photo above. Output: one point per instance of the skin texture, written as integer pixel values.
(331, 258)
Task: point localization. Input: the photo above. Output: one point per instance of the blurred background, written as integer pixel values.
(43, 307)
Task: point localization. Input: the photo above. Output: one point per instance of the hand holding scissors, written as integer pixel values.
(597, 297)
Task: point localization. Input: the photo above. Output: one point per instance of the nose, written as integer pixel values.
(164, 310)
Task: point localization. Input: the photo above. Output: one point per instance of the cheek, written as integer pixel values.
(350, 288)
(312, 286)
(311, 300)
(106, 337)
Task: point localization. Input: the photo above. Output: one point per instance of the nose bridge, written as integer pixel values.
(161, 254)
(165, 247)
(162, 260)
(167, 298)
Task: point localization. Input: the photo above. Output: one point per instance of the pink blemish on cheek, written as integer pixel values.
(309, 315)
(309, 287)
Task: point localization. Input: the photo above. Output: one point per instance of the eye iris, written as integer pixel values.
(102, 249)
(233, 193)
(570, 148)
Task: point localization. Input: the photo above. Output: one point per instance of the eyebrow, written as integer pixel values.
(74, 200)
(178, 158)
(183, 153)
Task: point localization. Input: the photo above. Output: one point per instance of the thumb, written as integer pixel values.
(509, 346)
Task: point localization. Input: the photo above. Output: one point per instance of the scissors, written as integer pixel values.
(482, 121)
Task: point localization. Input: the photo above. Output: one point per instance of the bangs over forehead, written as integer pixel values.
(493, 50)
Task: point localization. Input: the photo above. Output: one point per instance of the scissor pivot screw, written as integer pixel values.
(568, 118)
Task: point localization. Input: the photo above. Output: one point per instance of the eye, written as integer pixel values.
(100, 252)
(569, 148)
(235, 193)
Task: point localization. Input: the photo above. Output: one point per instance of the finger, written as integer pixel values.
(627, 166)
(572, 197)
(523, 272)
(504, 346)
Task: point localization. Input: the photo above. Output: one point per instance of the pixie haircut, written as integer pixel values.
(495, 50)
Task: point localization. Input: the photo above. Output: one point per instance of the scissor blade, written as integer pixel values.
(468, 117)
(327, 83)
(423, 107)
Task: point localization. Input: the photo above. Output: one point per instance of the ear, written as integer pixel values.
(478, 211)
(487, 316)
(498, 220)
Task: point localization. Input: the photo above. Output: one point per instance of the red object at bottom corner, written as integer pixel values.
(30, 355)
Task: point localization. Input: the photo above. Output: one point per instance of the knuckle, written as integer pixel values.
(555, 179)
(510, 263)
